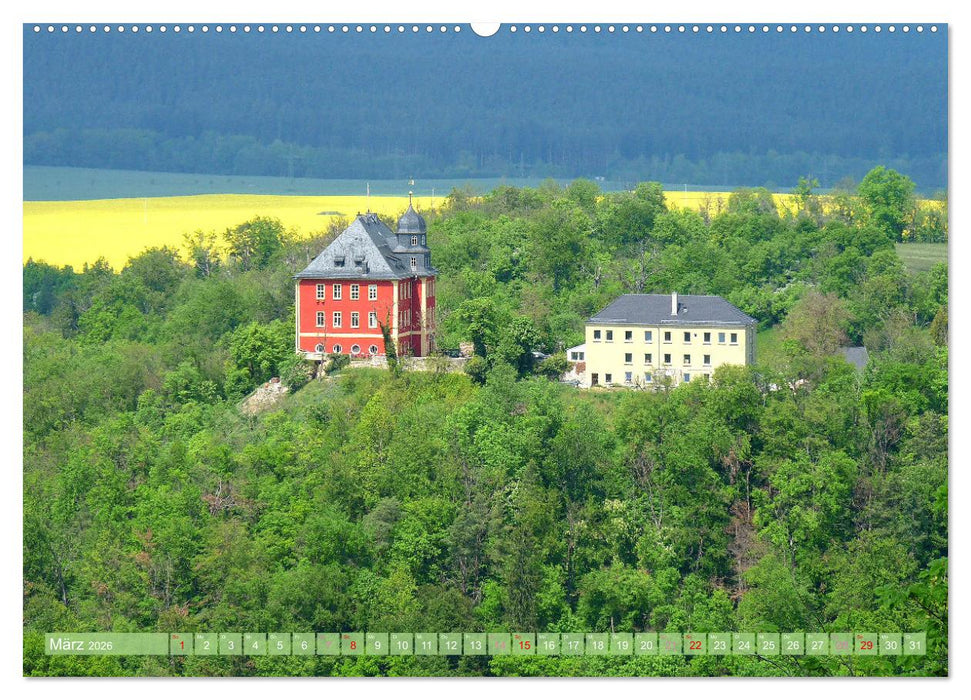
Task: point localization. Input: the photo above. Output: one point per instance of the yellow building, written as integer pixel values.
(643, 340)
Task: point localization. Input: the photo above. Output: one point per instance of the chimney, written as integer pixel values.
(674, 303)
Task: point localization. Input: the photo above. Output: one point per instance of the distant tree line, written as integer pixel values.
(628, 107)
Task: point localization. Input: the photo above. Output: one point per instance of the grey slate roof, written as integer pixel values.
(655, 310)
(367, 250)
(411, 221)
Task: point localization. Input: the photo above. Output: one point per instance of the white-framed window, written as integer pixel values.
(648, 357)
(667, 336)
(610, 336)
(321, 292)
(648, 378)
(319, 347)
(414, 240)
(628, 358)
(608, 378)
(687, 360)
(355, 349)
(706, 360)
(628, 336)
(733, 339)
(337, 319)
(355, 319)
(667, 358)
(372, 292)
(628, 377)
(414, 262)
(321, 319)
(687, 336)
(721, 338)
(337, 348)
(687, 377)
(372, 319)
(423, 240)
(648, 336)
(596, 335)
(336, 293)
(594, 379)
(373, 349)
(706, 339)
(355, 292)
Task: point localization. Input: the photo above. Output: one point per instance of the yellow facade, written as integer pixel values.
(645, 356)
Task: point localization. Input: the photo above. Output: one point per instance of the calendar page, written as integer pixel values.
(425, 348)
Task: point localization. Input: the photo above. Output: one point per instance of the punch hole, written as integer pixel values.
(485, 29)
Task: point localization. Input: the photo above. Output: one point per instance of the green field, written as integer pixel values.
(920, 257)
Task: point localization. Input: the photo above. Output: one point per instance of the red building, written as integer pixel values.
(369, 276)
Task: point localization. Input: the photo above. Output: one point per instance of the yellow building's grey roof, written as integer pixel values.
(655, 310)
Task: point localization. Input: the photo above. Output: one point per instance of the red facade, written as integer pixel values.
(339, 330)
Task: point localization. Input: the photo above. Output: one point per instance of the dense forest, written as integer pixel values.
(796, 494)
(724, 109)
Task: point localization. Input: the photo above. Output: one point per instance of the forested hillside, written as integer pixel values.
(796, 494)
(720, 109)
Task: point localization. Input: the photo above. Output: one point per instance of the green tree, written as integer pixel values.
(887, 198)
(253, 243)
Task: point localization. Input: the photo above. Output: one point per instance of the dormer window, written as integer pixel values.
(414, 262)
(338, 261)
(414, 240)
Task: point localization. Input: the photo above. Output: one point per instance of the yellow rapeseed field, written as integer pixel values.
(78, 232)
(73, 233)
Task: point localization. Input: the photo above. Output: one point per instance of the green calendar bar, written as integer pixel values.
(866, 644)
(523, 644)
(669, 643)
(328, 644)
(450, 643)
(841, 643)
(817, 644)
(891, 644)
(377, 643)
(793, 643)
(107, 643)
(352, 644)
(743, 643)
(645, 643)
(695, 644)
(500, 644)
(597, 644)
(621, 644)
(768, 643)
(426, 644)
(719, 643)
(401, 643)
(571, 644)
(278, 644)
(180, 644)
(548, 644)
(763, 644)
(474, 644)
(915, 644)
(254, 644)
(205, 643)
(230, 644)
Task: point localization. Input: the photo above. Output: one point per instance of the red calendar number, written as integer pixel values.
(353, 645)
(695, 644)
(866, 645)
(525, 644)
